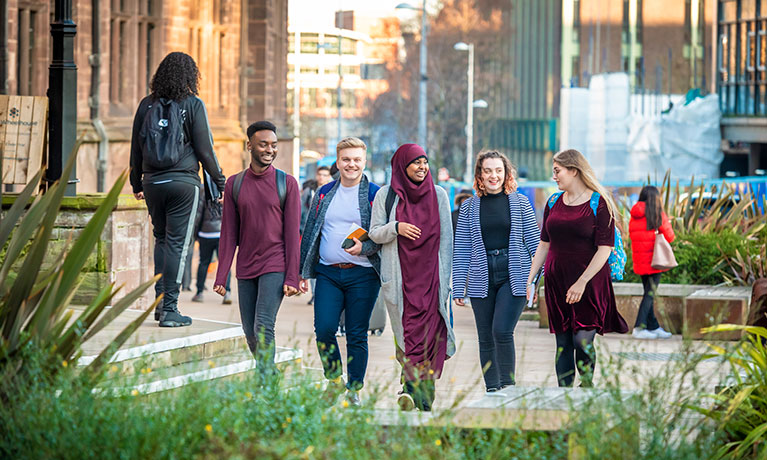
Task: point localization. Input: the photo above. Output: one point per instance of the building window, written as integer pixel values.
(119, 49)
(27, 67)
(373, 71)
(625, 28)
(576, 71)
(639, 23)
(576, 21)
(206, 42)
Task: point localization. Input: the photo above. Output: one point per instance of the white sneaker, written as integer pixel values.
(643, 334)
(661, 334)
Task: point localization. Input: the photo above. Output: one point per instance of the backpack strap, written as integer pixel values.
(237, 186)
(390, 197)
(372, 191)
(282, 186)
(594, 202)
(553, 199)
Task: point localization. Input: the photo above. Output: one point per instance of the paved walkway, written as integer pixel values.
(462, 377)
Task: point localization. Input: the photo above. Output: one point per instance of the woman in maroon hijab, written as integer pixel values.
(416, 235)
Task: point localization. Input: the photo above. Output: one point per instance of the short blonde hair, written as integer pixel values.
(351, 143)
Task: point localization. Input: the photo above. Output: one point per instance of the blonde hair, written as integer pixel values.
(573, 159)
(509, 183)
(351, 143)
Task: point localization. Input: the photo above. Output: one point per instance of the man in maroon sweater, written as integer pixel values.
(266, 232)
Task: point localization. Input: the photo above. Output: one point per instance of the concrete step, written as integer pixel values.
(152, 380)
(171, 352)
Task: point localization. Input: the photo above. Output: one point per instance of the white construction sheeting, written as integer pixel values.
(622, 144)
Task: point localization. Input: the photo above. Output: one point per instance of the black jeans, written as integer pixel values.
(260, 300)
(646, 315)
(496, 317)
(172, 206)
(352, 291)
(208, 246)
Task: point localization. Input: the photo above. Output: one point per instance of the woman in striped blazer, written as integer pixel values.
(495, 242)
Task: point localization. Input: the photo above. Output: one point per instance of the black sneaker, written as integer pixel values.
(197, 297)
(174, 319)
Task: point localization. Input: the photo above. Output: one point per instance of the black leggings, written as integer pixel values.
(575, 348)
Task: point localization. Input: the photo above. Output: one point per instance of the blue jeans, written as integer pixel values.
(354, 291)
(260, 299)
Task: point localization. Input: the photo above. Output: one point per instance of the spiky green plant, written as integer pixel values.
(34, 301)
(740, 409)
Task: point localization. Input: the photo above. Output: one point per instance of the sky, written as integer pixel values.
(303, 13)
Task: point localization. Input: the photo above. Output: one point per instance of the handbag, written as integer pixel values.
(662, 254)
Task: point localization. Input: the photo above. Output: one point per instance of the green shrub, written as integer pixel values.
(740, 408)
(698, 253)
(250, 418)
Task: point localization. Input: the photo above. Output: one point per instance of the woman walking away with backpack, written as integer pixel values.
(411, 220)
(577, 236)
(496, 237)
(171, 137)
(647, 220)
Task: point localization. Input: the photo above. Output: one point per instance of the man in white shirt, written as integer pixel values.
(347, 279)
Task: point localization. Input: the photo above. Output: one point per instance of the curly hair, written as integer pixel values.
(509, 182)
(177, 77)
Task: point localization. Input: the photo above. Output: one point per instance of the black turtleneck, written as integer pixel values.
(495, 221)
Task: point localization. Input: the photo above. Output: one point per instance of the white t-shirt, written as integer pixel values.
(343, 211)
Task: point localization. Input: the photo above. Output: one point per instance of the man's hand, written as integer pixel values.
(409, 231)
(289, 291)
(139, 195)
(460, 302)
(219, 289)
(303, 285)
(356, 249)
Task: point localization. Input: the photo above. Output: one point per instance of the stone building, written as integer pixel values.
(240, 48)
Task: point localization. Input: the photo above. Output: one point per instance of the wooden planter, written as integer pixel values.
(680, 308)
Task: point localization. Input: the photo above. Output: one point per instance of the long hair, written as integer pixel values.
(653, 208)
(573, 159)
(509, 183)
(177, 77)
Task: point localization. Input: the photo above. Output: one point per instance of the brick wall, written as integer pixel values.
(217, 49)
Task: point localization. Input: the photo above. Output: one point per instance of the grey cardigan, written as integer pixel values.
(382, 231)
(310, 241)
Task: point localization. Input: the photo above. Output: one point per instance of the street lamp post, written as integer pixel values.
(461, 46)
(62, 94)
(422, 77)
(296, 103)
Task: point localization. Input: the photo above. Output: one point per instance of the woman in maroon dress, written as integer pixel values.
(575, 245)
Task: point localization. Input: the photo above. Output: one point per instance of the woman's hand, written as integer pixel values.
(575, 292)
(530, 290)
(459, 302)
(409, 231)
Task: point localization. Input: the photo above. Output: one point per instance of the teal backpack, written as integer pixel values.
(617, 259)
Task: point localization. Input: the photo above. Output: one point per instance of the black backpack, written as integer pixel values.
(282, 186)
(390, 197)
(162, 134)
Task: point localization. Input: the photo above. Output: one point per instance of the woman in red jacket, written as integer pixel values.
(647, 219)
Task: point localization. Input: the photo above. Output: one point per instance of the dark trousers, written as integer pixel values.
(208, 247)
(496, 317)
(575, 350)
(646, 316)
(353, 291)
(172, 206)
(260, 300)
